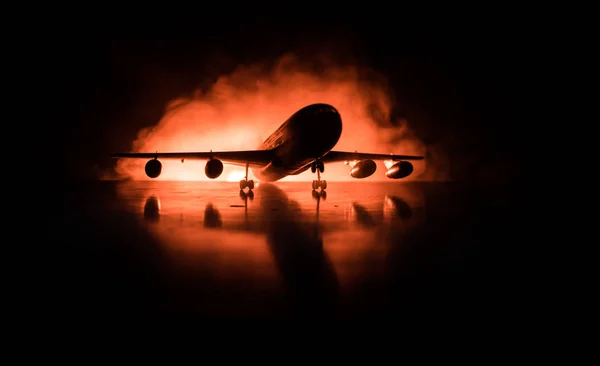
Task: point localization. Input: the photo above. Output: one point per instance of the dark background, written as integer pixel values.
(465, 77)
(460, 76)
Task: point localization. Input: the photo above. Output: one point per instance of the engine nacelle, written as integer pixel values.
(399, 170)
(213, 168)
(153, 168)
(363, 169)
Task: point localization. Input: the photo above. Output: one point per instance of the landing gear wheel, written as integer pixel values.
(316, 184)
(319, 194)
(321, 166)
(247, 183)
(246, 195)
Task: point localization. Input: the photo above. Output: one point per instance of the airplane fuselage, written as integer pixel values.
(306, 136)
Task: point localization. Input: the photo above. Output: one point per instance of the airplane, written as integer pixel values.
(304, 141)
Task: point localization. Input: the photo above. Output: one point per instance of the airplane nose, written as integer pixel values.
(327, 129)
(331, 126)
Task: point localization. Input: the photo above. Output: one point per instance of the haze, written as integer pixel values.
(241, 109)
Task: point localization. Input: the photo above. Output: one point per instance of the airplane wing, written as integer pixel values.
(334, 156)
(254, 158)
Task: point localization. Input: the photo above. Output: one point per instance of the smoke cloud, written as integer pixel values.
(241, 109)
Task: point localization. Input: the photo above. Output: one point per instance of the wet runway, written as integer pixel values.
(203, 249)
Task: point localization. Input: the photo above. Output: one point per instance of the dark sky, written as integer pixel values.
(111, 81)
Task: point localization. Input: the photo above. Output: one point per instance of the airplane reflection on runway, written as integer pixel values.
(152, 209)
(274, 240)
(212, 217)
(274, 206)
(400, 207)
(297, 248)
(362, 215)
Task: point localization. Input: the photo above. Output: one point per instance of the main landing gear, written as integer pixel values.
(245, 183)
(318, 167)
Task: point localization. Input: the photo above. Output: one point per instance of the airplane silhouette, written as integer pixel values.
(304, 141)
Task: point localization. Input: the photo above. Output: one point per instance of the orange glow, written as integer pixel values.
(235, 175)
(241, 109)
(209, 226)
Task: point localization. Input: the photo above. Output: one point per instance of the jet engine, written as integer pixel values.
(213, 168)
(363, 169)
(153, 168)
(401, 169)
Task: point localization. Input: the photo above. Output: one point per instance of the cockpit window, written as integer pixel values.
(325, 110)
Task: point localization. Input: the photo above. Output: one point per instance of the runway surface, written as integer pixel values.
(366, 249)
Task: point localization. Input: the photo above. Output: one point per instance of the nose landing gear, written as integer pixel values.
(318, 167)
(246, 183)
